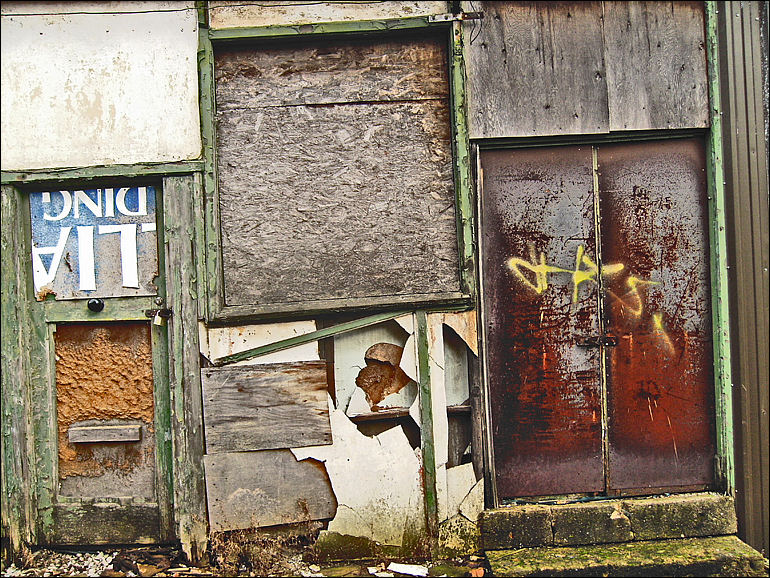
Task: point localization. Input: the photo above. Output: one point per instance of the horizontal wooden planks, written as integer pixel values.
(255, 407)
(656, 65)
(266, 488)
(335, 172)
(536, 68)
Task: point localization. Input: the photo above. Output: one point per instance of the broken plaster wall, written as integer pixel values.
(377, 480)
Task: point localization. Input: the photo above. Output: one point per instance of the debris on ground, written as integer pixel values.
(248, 558)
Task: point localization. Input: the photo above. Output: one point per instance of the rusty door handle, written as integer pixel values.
(599, 340)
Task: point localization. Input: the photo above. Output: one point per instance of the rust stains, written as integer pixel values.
(382, 375)
(103, 372)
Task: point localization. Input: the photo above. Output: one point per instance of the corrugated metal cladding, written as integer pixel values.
(743, 29)
(556, 68)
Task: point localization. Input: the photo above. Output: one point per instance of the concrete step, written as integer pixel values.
(608, 521)
(711, 556)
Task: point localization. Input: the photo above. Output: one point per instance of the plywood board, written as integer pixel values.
(277, 405)
(219, 342)
(656, 65)
(340, 184)
(265, 488)
(537, 68)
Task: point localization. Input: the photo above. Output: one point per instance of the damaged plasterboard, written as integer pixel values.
(438, 403)
(460, 480)
(376, 481)
(217, 342)
(464, 324)
(473, 504)
(455, 368)
(349, 353)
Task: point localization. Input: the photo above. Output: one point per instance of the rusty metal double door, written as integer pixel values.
(596, 307)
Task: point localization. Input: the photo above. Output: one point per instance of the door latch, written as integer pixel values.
(158, 316)
(599, 340)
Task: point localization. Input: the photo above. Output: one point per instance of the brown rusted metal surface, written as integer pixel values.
(653, 206)
(540, 301)
(104, 377)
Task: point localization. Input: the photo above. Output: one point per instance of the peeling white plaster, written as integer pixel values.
(455, 368)
(222, 341)
(91, 89)
(376, 481)
(473, 504)
(358, 403)
(414, 412)
(464, 324)
(460, 481)
(438, 388)
(407, 323)
(409, 358)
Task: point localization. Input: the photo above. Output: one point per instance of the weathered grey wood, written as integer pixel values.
(15, 482)
(340, 72)
(184, 365)
(104, 433)
(266, 488)
(269, 406)
(535, 69)
(239, 13)
(105, 523)
(340, 201)
(656, 65)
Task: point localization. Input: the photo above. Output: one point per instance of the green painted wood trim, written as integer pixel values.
(307, 338)
(427, 443)
(325, 28)
(210, 267)
(45, 176)
(15, 498)
(184, 366)
(164, 451)
(719, 278)
(462, 162)
(115, 309)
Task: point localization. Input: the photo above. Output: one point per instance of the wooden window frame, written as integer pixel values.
(210, 265)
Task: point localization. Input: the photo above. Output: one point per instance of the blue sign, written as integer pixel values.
(94, 243)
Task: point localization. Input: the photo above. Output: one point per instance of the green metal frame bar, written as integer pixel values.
(210, 261)
(719, 278)
(307, 338)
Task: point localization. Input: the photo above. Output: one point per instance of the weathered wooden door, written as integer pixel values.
(595, 275)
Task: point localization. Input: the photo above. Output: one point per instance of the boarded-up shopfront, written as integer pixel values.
(400, 264)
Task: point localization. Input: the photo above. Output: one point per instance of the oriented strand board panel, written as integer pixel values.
(537, 68)
(277, 405)
(656, 65)
(266, 488)
(92, 83)
(288, 13)
(335, 171)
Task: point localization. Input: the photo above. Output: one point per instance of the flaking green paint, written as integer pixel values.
(719, 279)
(427, 443)
(65, 175)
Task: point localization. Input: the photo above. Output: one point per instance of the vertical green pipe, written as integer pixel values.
(426, 428)
(719, 279)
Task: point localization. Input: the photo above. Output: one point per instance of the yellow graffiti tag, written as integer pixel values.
(632, 299)
(590, 272)
(541, 270)
(657, 323)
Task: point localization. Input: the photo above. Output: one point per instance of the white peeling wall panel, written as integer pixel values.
(85, 89)
(287, 13)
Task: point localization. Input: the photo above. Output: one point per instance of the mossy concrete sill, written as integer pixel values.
(712, 556)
